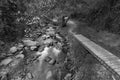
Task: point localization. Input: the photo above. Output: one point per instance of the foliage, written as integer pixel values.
(10, 12)
(105, 16)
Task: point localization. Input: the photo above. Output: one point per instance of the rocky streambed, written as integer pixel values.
(35, 58)
(51, 54)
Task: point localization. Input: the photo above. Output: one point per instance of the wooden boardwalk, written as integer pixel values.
(109, 60)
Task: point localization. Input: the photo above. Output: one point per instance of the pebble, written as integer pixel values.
(13, 49)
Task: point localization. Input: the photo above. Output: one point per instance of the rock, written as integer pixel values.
(49, 75)
(20, 56)
(38, 53)
(18, 78)
(1, 42)
(20, 52)
(47, 41)
(52, 62)
(26, 78)
(20, 46)
(13, 49)
(26, 48)
(6, 61)
(41, 48)
(45, 36)
(57, 36)
(68, 76)
(14, 62)
(33, 47)
(30, 42)
(47, 59)
(29, 75)
(2, 55)
(56, 51)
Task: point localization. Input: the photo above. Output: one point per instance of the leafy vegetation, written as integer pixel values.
(19, 17)
(103, 15)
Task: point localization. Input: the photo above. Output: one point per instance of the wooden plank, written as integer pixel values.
(100, 53)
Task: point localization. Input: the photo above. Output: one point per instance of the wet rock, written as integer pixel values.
(6, 61)
(13, 49)
(30, 42)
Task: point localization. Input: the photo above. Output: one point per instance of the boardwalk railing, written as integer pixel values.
(105, 57)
